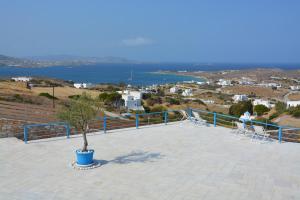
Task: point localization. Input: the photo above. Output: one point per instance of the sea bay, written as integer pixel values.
(135, 74)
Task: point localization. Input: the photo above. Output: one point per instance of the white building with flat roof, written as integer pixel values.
(263, 102)
(22, 79)
(295, 87)
(174, 89)
(292, 103)
(240, 97)
(224, 82)
(187, 92)
(82, 85)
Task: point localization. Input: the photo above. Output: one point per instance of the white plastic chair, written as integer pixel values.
(242, 129)
(260, 133)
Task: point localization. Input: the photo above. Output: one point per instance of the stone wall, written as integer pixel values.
(11, 128)
(15, 128)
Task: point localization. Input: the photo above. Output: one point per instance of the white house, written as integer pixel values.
(263, 102)
(200, 82)
(132, 99)
(187, 93)
(22, 79)
(292, 104)
(295, 87)
(207, 101)
(240, 97)
(271, 85)
(246, 81)
(224, 82)
(82, 85)
(174, 89)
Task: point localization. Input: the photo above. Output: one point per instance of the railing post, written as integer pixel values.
(25, 134)
(215, 119)
(104, 124)
(137, 120)
(244, 124)
(280, 134)
(166, 117)
(68, 130)
(190, 112)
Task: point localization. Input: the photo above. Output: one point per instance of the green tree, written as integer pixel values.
(261, 109)
(295, 111)
(280, 107)
(240, 108)
(78, 113)
(111, 99)
(103, 96)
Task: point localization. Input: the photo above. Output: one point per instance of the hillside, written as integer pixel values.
(58, 60)
(16, 62)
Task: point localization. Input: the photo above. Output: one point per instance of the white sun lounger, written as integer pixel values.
(184, 115)
(197, 119)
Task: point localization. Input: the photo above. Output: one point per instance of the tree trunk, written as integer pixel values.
(85, 143)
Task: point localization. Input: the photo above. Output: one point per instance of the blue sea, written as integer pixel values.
(135, 74)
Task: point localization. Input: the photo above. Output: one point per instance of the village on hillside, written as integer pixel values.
(273, 99)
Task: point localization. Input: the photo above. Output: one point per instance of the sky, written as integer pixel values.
(241, 31)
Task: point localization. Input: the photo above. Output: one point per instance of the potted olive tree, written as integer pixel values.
(78, 113)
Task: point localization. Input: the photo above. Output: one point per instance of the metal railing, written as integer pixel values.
(281, 133)
(105, 123)
(27, 127)
(140, 119)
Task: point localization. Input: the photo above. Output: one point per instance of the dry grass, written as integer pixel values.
(258, 91)
(294, 97)
(287, 120)
(11, 88)
(218, 108)
(64, 92)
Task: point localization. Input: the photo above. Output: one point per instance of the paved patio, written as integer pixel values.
(176, 161)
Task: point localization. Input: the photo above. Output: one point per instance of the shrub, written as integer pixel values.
(261, 109)
(273, 116)
(146, 96)
(240, 108)
(172, 101)
(153, 100)
(47, 95)
(147, 109)
(280, 107)
(295, 111)
(75, 97)
(158, 108)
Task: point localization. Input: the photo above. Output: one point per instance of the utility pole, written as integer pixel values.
(53, 99)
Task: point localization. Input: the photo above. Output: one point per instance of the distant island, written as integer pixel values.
(59, 60)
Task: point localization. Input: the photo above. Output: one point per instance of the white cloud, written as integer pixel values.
(137, 41)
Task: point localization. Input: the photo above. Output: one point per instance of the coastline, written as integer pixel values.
(204, 79)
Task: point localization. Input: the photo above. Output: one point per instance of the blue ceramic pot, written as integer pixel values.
(84, 157)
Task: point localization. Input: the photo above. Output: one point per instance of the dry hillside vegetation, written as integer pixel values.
(63, 92)
(8, 87)
(294, 97)
(258, 91)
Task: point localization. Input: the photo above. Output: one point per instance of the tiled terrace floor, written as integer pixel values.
(176, 161)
